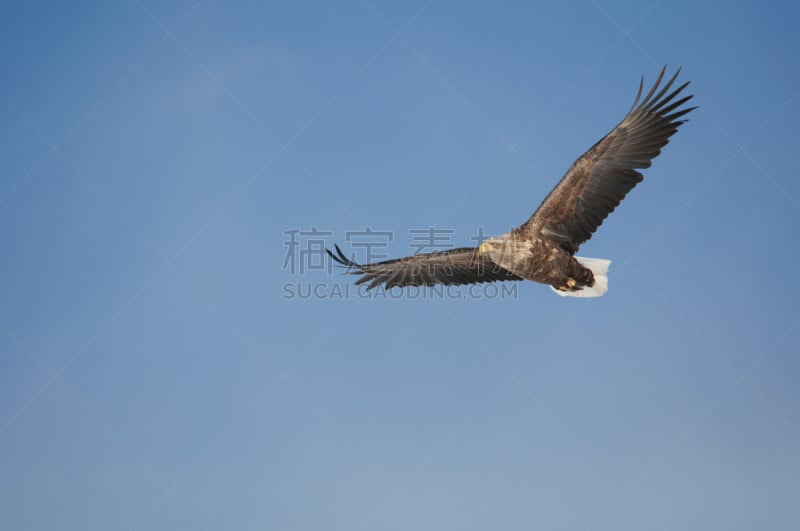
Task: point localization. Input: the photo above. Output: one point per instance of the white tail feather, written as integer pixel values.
(599, 267)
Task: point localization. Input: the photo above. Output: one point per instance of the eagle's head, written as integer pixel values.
(489, 245)
(500, 249)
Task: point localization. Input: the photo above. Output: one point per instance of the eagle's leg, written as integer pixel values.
(569, 285)
(585, 277)
(565, 273)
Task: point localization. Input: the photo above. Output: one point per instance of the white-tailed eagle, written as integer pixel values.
(543, 248)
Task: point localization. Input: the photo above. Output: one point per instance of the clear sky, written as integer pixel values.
(161, 368)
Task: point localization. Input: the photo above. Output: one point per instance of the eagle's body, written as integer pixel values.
(538, 259)
(543, 248)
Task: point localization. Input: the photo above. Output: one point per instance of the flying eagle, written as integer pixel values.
(543, 248)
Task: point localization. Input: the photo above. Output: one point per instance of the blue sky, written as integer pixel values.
(154, 374)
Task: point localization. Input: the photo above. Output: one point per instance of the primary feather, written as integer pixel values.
(598, 181)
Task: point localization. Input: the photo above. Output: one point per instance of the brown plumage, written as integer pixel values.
(543, 248)
(452, 267)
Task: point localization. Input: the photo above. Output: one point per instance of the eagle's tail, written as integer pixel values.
(599, 267)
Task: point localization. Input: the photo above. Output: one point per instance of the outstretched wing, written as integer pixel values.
(454, 266)
(601, 177)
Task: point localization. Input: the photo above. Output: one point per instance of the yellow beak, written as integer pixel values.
(484, 248)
